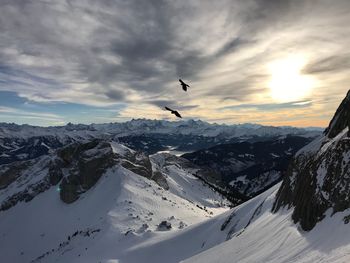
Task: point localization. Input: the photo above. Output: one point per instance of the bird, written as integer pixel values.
(177, 114)
(184, 85)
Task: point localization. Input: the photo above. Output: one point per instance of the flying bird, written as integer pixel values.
(177, 114)
(184, 85)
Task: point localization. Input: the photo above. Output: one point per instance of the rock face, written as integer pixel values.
(318, 178)
(85, 164)
(140, 164)
(73, 169)
(341, 119)
(24, 180)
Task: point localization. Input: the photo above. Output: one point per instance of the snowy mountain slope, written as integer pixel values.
(318, 177)
(120, 210)
(273, 237)
(307, 219)
(193, 240)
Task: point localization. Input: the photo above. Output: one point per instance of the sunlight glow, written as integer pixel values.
(287, 83)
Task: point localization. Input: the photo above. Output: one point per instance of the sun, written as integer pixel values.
(287, 83)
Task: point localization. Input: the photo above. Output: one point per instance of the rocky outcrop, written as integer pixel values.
(164, 226)
(318, 178)
(341, 119)
(9, 173)
(74, 169)
(20, 177)
(85, 164)
(26, 195)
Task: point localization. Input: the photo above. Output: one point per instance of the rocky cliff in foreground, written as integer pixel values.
(318, 178)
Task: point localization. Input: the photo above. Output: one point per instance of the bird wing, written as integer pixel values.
(178, 114)
(168, 109)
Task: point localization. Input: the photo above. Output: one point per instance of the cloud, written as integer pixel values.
(336, 63)
(14, 113)
(100, 53)
(171, 104)
(116, 95)
(270, 107)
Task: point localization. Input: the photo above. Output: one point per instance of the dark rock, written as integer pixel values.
(26, 195)
(341, 119)
(164, 226)
(86, 163)
(55, 172)
(140, 164)
(318, 178)
(9, 173)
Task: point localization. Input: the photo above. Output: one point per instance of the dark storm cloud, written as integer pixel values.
(141, 35)
(116, 95)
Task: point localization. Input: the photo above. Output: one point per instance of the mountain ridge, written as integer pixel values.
(318, 177)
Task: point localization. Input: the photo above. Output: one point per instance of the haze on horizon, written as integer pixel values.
(260, 61)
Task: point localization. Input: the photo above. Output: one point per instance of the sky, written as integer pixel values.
(270, 62)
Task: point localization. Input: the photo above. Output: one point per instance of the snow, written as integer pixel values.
(312, 147)
(172, 150)
(252, 186)
(239, 179)
(31, 176)
(123, 208)
(321, 173)
(275, 238)
(120, 149)
(122, 213)
(321, 144)
(332, 141)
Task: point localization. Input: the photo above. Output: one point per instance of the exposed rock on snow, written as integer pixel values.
(83, 164)
(341, 119)
(164, 226)
(319, 176)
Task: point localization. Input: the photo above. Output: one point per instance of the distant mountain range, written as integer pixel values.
(145, 126)
(24, 142)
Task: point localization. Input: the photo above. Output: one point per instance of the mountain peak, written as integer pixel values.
(341, 119)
